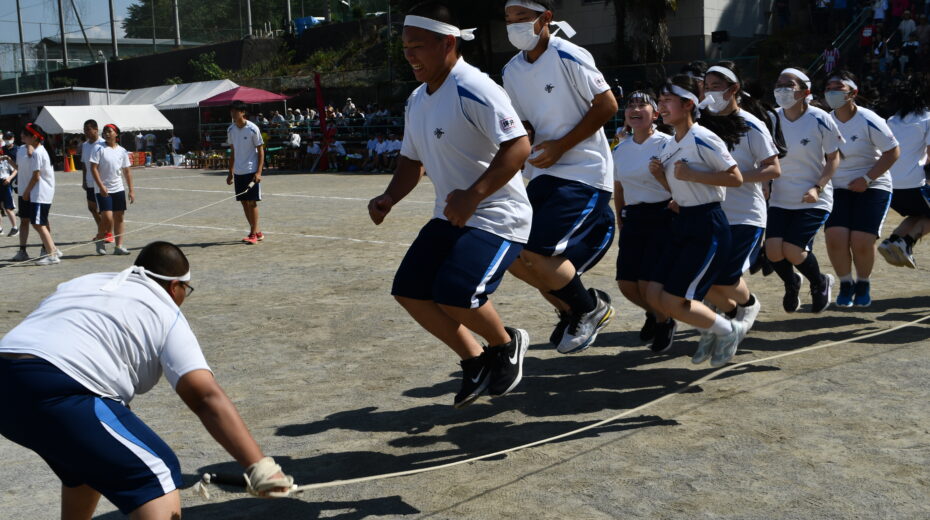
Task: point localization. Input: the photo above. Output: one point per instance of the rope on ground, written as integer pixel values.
(201, 486)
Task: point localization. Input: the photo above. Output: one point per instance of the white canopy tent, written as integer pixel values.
(176, 97)
(129, 118)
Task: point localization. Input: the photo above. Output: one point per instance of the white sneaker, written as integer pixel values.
(21, 256)
(582, 330)
(727, 345)
(888, 251)
(747, 315)
(705, 347)
(120, 250)
(48, 260)
(905, 255)
(101, 247)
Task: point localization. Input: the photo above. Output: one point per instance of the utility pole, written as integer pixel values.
(289, 17)
(61, 29)
(154, 45)
(113, 32)
(248, 15)
(177, 26)
(22, 47)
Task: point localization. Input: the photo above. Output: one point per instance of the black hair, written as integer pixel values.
(909, 97)
(754, 105)
(163, 258)
(729, 128)
(695, 68)
(43, 140)
(845, 74)
(91, 123)
(239, 106)
(757, 93)
(439, 11)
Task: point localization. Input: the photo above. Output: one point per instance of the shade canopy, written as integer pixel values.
(129, 118)
(176, 97)
(252, 96)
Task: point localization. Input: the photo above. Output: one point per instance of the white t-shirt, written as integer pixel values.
(455, 132)
(245, 142)
(394, 145)
(110, 162)
(703, 151)
(553, 94)
(24, 165)
(746, 205)
(866, 136)
(150, 140)
(6, 169)
(373, 145)
(337, 148)
(913, 135)
(44, 190)
(313, 149)
(87, 151)
(294, 140)
(381, 147)
(140, 142)
(114, 343)
(808, 139)
(176, 143)
(631, 169)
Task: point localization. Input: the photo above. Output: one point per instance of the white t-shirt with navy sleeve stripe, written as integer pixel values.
(553, 94)
(455, 132)
(44, 189)
(631, 169)
(110, 163)
(245, 142)
(808, 139)
(866, 137)
(745, 205)
(115, 343)
(704, 152)
(913, 135)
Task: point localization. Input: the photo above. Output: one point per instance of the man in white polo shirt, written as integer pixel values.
(563, 98)
(462, 129)
(245, 166)
(92, 141)
(70, 369)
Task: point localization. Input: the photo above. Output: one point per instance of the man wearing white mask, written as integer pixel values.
(564, 102)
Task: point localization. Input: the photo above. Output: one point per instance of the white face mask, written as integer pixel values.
(523, 35)
(836, 98)
(785, 97)
(715, 102)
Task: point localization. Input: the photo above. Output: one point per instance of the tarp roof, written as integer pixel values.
(244, 94)
(129, 118)
(175, 97)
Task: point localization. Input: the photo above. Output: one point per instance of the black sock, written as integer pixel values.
(909, 240)
(731, 314)
(576, 296)
(893, 237)
(750, 302)
(811, 270)
(785, 270)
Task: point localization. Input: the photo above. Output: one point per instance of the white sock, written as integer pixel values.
(846, 278)
(721, 326)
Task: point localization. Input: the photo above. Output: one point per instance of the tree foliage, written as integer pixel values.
(642, 32)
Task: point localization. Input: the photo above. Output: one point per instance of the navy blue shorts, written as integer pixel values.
(91, 195)
(699, 248)
(85, 439)
(646, 231)
(912, 202)
(745, 246)
(795, 226)
(25, 208)
(6, 196)
(242, 184)
(459, 267)
(859, 211)
(38, 213)
(112, 202)
(570, 219)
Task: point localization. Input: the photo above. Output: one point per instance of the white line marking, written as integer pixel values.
(298, 195)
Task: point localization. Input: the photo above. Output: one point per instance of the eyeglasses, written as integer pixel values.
(188, 290)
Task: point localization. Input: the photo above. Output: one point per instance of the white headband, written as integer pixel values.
(725, 72)
(680, 92)
(800, 75)
(123, 275)
(848, 82)
(533, 6)
(645, 97)
(439, 27)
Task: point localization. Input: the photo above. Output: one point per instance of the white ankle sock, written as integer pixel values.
(847, 278)
(721, 326)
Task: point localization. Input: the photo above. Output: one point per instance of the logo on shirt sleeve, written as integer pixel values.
(599, 81)
(508, 124)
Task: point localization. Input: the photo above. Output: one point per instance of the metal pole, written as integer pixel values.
(106, 74)
(83, 32)
(248, 15)
(389, 43)
(45, 60)
(177, 26)
(289, 17)
(22, 47)
(113, 32)
(154, 45)
(61, 29)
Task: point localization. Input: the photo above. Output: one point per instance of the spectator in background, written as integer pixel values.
(175, 143)
(392, 151)
(150, 142)
(908, 56)
(299, 116)
(831, 57)
(9, 144)
(898, 8)
(907, 26)
(293, 140)
(277, 119)
(140, 142)
(337, 153)
(879, 10)
(312, 155)
(290, 115)
(349, 108)
(923, 29)
(372, 160)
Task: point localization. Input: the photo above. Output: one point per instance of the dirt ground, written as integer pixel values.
(336, 381)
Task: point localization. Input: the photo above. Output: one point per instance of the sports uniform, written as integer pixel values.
(110, 162)
(87, 152)
(244, 142)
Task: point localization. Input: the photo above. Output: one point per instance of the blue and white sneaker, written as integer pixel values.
(862, 297)
(845, 297)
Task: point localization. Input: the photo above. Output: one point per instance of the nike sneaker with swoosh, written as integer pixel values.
(476, 375)
(507, 362)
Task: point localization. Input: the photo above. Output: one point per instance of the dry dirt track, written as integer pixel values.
(336, 381)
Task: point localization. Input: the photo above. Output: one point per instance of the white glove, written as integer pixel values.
(260, 478)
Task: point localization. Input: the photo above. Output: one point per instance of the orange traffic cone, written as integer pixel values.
(73, 167)
(68, 167)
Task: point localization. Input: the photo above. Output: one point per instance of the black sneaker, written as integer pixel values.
(476, 374)
(649, 328)
(556, 337)
(664, 336)
(792, 300)
(506, 362)
(822, 294)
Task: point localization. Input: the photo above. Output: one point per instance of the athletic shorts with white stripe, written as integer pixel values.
(570, 219)
(859, 211)
(459, 267)
(698, 250)
(745, 248)
(85, 439)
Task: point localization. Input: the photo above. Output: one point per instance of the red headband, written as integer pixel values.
(111, 125)
(33, 131)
